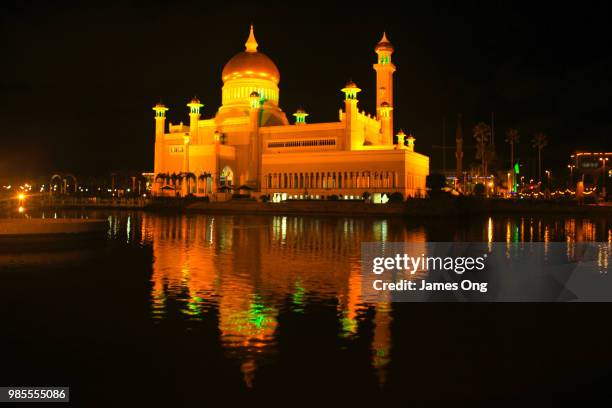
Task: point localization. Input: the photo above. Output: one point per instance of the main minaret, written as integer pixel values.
(384, 88)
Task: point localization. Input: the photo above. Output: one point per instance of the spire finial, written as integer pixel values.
(251, 43)
(384, 44)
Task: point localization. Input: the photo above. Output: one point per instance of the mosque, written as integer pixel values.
(250, 144)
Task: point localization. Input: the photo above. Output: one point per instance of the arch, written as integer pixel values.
(60, 183)
(227, 176)
(74, 179)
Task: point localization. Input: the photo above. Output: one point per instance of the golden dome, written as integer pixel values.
(250, 64)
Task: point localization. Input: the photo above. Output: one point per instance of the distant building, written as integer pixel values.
(250, 144)
(591, 167)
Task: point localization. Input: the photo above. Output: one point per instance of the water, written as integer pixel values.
(174, 310)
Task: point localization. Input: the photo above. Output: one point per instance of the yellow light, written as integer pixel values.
(21, 196)
(21, 209)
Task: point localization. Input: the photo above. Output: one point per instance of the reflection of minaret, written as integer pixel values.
(459, 147)
(381, 342)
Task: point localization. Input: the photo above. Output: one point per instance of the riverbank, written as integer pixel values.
(444, 207)
(432, 207)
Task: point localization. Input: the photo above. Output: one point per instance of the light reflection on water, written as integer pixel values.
(246, 272)
(245, 268)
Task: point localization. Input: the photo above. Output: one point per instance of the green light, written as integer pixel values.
(516, 168)
(297, 298)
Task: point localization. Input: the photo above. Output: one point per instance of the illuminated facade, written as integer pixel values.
(250, 144)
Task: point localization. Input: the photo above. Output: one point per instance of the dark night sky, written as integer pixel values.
(78, 82)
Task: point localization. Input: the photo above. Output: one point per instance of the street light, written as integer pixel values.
(509, 185)
(603, 190)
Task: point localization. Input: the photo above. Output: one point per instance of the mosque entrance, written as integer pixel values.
(227, 177)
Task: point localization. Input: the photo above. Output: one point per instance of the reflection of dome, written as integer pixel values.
(250, 64)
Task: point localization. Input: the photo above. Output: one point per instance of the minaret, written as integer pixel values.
(254, 169)
(194, 117)
(410, 142)
(300, 116)
(351, 139)
(386, 128)
(459, 147)
(160, 125)
(384, 87)
(401, 140)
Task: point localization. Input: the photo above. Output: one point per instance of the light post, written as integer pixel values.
(509, 186)
(571, 167)
(548, 179)
(604, 159)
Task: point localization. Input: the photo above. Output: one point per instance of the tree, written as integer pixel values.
(539, 141)
(479, 190)
(512, 137)
(482, 134)
(396, 197)
(435, 181)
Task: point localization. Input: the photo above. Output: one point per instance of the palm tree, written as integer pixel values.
(174, 178)
(512, 137)
(188, 176)
(482, 134)
(539, 141)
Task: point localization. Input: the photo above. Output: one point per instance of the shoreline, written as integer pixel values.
(411, 208)
(432, 207)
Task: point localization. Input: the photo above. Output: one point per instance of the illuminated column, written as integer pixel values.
(160, 125)
(186, 140)
(194, 117)
(255, 111)
(300, 117)
(384, 113)
(351, 142)
(384, 84)
(218, 140)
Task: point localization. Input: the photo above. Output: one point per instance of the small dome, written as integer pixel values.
(250, 64)
(254, 94)
(384, 44)
(350, 84)
(194, 100)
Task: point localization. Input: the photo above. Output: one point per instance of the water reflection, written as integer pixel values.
(248, 269)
